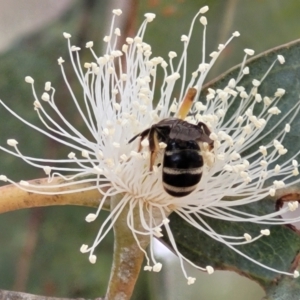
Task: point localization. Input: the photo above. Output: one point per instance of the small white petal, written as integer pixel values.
(296, 274)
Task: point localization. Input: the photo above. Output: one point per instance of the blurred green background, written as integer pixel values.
(39, 250)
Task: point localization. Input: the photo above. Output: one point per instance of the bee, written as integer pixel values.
(183, 159)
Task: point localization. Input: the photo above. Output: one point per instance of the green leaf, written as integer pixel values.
(281, 249)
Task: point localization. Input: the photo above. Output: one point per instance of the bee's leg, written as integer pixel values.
(153, 146)
(204, 127)
(207, 132)
(142, 135)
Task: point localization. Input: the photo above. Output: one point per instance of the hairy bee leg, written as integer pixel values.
(142, 135)
(204, 128)
(153, 146)
(206, 137)
(186, 103)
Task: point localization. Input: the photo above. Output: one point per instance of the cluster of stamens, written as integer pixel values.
(119, 104)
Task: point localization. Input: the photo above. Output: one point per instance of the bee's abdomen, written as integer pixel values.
(182, 168)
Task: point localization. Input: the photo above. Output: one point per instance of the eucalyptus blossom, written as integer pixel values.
(117, 103)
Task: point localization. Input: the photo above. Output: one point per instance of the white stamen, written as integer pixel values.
(117, 12)
(29, 79)
(150, 17)
(47, 86)
(203, 20)
(249, 51)
(3, 178)
(148, 268)
(281, 59)
(12, 142)
(93, 259)
(91, 217)
(67, 35)
(47, 170)
(210, 270)
(157, 267)
(191, 280)
(247, 237)
(204, 9)
(89, 44)
(83, 248)
(265, 232)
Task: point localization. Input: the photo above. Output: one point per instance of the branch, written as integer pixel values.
(13, 198)
(4, 295)
(128, 256)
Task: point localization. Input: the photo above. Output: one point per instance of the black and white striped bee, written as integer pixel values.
(183, 161)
